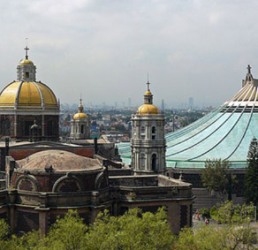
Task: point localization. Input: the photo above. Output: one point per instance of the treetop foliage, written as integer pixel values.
(214, 175)
(134, 230)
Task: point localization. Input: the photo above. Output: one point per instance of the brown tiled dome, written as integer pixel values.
(57, 161)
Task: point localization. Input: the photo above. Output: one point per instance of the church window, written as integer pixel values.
(153, 133)
(27, 74)
(142, 161)
(142, 132)
(154, 162)
(82, 129)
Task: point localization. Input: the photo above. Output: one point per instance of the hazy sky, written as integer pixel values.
(102, 50)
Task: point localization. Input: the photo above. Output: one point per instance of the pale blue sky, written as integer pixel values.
(102, 50)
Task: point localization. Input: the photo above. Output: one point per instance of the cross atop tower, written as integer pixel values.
(148, 86)
(249, 69)
(26, 52)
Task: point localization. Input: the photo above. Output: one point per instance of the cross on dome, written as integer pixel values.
(249, 69)
(26, 52)
(148, 86)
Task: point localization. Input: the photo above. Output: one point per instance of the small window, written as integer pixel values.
(82, 129)
(27, 74)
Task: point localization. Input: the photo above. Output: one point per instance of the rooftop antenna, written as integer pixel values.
(26, 49)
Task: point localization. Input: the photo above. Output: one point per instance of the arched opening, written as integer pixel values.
(142, 161)
(82, 129)
(154, 162)
(153, 133)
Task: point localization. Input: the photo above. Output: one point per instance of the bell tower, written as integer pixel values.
(80, 124)
(148, 144)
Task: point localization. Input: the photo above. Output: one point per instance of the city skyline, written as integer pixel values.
(105, 51)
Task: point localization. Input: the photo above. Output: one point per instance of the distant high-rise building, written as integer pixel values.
(163, 105)
(191, 103)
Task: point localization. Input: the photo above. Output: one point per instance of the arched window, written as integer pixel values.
(154, 162)
(153, 133)
(82, 129)
(142, 161)
(142, 132)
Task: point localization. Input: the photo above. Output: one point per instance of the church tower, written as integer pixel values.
(80, 124)
(148, 145)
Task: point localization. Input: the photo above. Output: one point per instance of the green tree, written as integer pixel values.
(134, 230)
(215, 175)
(67, 233)
(214, 237)
(230, 213)
(251, 176)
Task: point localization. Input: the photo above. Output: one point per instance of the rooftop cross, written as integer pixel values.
(148, 86)
(249, 69)
(26, 53)
(26, 49)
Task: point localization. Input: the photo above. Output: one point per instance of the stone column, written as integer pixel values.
(43, 220)
(43, 126)
(15, 125)
(173, 210)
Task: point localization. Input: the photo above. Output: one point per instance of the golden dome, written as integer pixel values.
(34, 94)
(148, 92)
(147, 109)
(79, 116)
(26, 61)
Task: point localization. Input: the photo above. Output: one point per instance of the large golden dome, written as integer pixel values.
(34, 94)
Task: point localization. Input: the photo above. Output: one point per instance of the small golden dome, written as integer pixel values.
(26, 61)
(35, 94)
(147, 93)
(79, 116)
(147, 109)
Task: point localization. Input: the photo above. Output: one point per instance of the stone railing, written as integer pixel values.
(44, 199)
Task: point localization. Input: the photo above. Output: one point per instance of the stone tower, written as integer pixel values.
(80, 124)
(148, 145)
